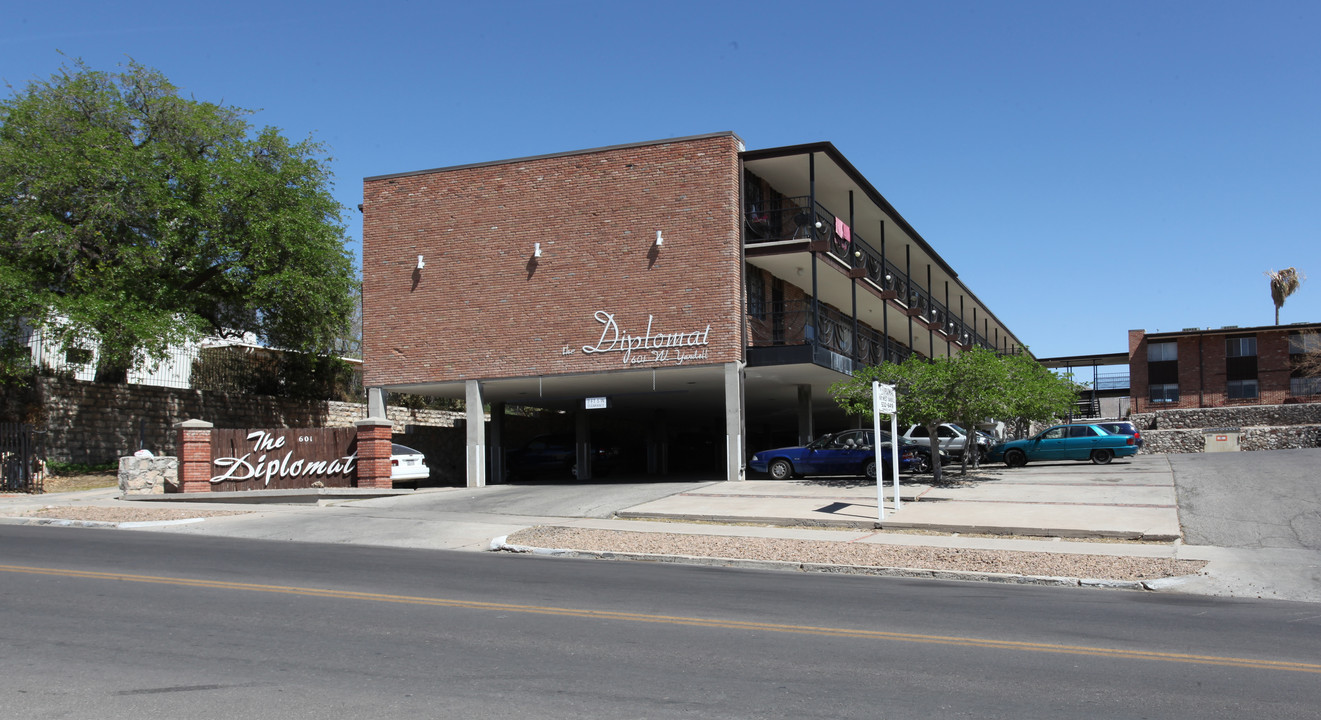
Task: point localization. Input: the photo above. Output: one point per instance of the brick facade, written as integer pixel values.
(1203, 367)
(483, 307)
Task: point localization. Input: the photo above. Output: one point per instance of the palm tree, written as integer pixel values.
(1283, 284)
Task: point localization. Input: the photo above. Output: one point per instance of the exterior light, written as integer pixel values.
(420, 263)
(659, 240)
(536, 250)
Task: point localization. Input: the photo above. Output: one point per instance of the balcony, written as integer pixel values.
(798, 225)
(789, 324)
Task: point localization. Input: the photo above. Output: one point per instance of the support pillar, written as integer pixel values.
(805, 429)
(374, 440)
(194, 456)
(582, 445)
(735, 467)
(497, 444)
(476, 444)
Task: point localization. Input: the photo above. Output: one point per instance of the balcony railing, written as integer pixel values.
(790, 323)
(795, 218)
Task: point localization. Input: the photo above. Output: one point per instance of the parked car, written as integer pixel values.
(849, 452)
(407, 464)
(952, 438)
(554, 454)
(1065, 442)
(1120, 428)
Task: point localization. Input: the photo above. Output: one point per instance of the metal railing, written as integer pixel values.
(21, 466)
(798, 218)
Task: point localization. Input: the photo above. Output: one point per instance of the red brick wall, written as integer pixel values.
(481, 308)
(1202, 370)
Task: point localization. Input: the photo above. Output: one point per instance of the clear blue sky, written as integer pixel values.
(1087, 168)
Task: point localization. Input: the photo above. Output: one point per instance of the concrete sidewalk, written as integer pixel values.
(1025, 509)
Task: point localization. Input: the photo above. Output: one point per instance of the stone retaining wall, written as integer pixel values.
(98, 423)
(1239, 416)
(1253, 438)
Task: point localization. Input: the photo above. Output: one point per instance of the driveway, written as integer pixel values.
(1253, 500)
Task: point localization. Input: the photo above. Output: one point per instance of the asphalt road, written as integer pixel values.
(1253, 500)
(138, 625)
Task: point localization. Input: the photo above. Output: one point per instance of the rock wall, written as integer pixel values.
(1239, 416)
(98, 423)
(1252, 438)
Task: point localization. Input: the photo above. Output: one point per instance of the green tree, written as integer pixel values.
(133, 218)
(966, 389)
(1035, 394)
(921, 395)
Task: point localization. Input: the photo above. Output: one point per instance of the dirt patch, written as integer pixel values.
(75, 483)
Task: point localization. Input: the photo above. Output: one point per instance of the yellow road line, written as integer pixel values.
(687, 621)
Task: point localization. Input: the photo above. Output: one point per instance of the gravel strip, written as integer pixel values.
(825, 552)
(97, 513)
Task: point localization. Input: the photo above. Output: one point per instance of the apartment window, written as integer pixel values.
(1241, 366)
(756, 292)
(1237, 347)
(1304, 343)
(1305, 385)
(1162, 352)
(1242, 390)
(1165, 393)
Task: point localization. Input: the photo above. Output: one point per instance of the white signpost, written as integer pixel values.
(883, 401)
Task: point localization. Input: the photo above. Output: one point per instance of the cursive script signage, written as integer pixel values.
(652, 346)
(283, 459)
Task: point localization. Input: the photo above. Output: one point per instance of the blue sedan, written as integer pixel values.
(1065, 442)
(849, 452)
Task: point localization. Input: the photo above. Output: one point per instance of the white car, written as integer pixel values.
(953, 439)
(407, 464)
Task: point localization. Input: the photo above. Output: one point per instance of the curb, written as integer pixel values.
(500, 545)
(1005, 530)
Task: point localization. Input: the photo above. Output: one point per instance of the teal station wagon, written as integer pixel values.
(1065, 442)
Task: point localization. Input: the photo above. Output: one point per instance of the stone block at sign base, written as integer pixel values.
(148, 475)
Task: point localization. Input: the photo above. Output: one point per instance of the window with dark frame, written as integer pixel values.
(756, 292)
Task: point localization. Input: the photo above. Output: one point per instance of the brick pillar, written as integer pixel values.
(374, 436)
(194, 456)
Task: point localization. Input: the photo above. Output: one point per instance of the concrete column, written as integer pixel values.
(658, 445)
(476, 424)
(376, 402)
(497, 444)
(582, 444)
(194, 455)
(374, 435)
(735, 468)
(805, 429)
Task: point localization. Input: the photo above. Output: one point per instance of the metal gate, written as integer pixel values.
(20, 463)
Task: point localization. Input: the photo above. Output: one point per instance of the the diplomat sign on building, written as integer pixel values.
(283, 459)
(651, 346)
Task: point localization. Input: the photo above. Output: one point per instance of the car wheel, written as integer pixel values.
(780, 469)
(869, 469)
(1015, 458)
(922, 464)
(1101, 457)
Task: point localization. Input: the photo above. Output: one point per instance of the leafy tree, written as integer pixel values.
(134, 218)
(966, 389)
(921, 395)
(1283, 284)
(1035, 394)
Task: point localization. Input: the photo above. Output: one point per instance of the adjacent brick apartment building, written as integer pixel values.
(1196, 368)
(689, 298)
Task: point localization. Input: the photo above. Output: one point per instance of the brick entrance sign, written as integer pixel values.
(215, 460)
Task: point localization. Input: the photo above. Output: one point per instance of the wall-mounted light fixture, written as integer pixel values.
(536, 250)
(659, 240)
(420, 263)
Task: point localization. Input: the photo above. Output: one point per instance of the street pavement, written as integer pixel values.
(995, 508)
